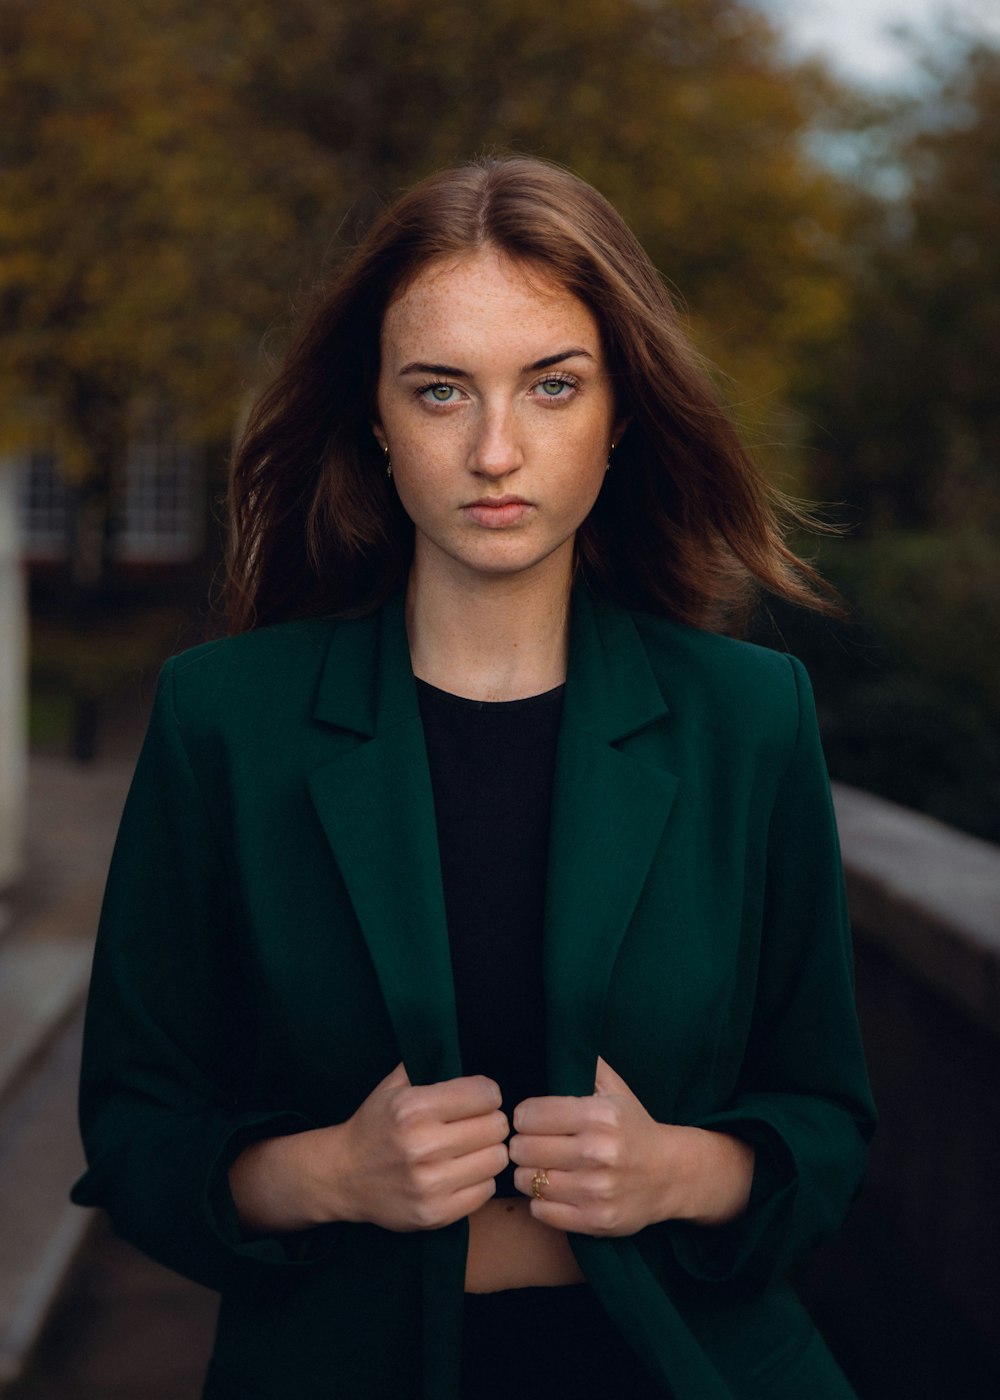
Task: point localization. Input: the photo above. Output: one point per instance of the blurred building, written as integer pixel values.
(13, 684)
(158, 512)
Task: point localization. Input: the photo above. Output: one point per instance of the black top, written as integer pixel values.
(491, 765)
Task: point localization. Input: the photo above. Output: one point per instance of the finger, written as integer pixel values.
(476, 1167)
(451, 1100)
(552, 1115)
(559, 1185)
(470, 1135)
(434, 1187)
(467, 1097)
(566, 1152)
(467, 1202)
(559, 1215)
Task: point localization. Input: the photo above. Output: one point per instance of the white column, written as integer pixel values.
(13, 683)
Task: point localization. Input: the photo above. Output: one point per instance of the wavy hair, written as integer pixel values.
(685, 524)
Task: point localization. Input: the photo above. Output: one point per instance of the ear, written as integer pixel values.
(620, 429)
(380, 437)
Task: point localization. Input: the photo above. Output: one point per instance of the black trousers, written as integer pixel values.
(547, 1344)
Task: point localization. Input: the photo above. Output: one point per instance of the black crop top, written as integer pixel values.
(491, 765)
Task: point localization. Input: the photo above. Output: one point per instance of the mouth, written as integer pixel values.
(495, 502)
(495, 512)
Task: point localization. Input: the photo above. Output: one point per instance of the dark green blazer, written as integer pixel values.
(273, 941)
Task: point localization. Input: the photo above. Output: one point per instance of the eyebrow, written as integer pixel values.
(419, 367)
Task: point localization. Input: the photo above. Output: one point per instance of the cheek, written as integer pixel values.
(582, 460)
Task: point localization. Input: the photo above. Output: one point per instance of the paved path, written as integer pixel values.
(126, 1329)
(123, 1328)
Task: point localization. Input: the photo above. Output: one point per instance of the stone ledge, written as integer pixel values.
(928, 894)
(40, 1157)
(42, 981)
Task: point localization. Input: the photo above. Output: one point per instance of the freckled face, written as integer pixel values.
(495, 404)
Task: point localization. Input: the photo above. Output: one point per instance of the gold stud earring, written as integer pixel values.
(610, 450)
(388, 462)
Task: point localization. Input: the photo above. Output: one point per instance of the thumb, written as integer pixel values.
(396, 1078)
(608, 1081)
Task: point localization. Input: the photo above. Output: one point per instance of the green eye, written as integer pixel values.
(437, 393)
(560, 386)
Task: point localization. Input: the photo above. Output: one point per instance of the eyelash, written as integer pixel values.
(562, 378)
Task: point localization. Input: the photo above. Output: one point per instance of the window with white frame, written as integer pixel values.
(44, 505)
(162, 508)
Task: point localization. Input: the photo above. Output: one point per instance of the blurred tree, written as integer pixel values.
(909, 392)
(682, 113)
(169, 170)
(908, 407)
(140, 255)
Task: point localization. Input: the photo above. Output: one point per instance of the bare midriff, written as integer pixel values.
(508, 1248)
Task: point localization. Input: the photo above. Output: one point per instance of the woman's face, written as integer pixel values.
(495, 404)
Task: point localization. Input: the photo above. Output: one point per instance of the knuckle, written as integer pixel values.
(425, 1215)
(600, 1220)
(404, 1108)
(603, 1188)
(613, 1154)
(413, 1148)
(425, 1180)
(594, 1148)
(606, 1112)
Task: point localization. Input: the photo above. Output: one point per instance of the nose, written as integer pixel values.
(496, 450)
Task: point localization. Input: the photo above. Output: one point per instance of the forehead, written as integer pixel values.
(484, 301)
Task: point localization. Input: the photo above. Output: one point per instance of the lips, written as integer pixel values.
(496, 501)
(495, 512)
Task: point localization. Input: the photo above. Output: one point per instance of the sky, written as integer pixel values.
(855, 37)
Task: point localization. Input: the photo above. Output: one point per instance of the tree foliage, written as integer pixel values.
(909, 393)
(908, 412)
(170, 173)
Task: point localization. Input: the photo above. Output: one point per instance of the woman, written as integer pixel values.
(472, 1004)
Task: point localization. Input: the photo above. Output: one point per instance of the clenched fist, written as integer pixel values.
(612, 1169)
(409, 1158)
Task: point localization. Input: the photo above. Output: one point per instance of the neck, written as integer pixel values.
(489, 639)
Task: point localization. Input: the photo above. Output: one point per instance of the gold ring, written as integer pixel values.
(537, 1182)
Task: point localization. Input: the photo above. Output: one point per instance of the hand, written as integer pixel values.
(612, 1169)
(420, 1158)
(408, 1159)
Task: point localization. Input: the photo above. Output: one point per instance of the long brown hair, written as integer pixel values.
(685, 524)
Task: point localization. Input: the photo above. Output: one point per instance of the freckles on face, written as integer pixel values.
(493, 386)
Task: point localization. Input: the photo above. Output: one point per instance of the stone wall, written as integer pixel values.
(909, 1294)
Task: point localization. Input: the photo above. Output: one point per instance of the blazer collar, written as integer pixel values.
(367, 681)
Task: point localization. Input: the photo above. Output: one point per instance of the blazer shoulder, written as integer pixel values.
(749, 684)
(730, 659)
(270, 666)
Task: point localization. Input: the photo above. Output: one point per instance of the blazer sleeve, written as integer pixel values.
(803, 1098)
(168, 1031)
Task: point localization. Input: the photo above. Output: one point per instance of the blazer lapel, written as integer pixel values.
(376, 805)
(610, 806)
(611, 801)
